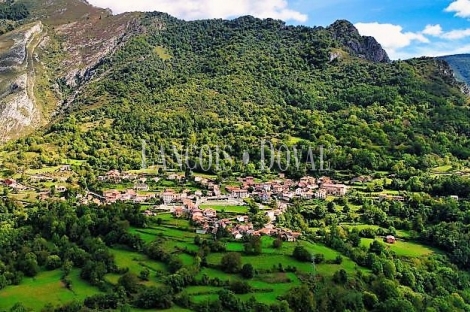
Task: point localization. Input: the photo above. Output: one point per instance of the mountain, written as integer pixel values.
(111, 81)
(460, 65)
(362, 46)
(69, 39)
(49, 55)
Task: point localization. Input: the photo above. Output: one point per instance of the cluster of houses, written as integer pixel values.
(112, 196)
(239, 226)
(13, 184)
(281, 189)
(115, 176)
(286, 189)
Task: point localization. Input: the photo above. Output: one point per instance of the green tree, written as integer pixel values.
(248, 271)
(231, 262)
(302, 254)
(130, 282)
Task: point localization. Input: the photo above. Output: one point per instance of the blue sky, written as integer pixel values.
(404, 28)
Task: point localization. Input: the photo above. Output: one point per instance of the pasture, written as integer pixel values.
(403, 248)
(46, 287)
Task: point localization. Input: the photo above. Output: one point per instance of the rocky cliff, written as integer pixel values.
(18, 109)
(361, 46)
(45, 63)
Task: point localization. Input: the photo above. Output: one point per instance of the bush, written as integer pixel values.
(319, 258)
(231, 262)
(277, 243)
(53, 262)
(240, 287)
(302, 254)
(248, 271)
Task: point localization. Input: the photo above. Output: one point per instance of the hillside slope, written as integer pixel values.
(233, 83)
(46, 60)
(460, 64)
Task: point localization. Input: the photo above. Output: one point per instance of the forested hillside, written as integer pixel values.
(460, 64)
(236, 82)
(84, 227)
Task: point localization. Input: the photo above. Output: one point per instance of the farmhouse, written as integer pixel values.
(210, 213)
(237, 192)
(10, 182)
(60, 189)
(141, 187)
(390, 239)
(334, 189)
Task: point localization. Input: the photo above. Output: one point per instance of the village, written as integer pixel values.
(199, 198)
(186, 204)
(273, 197)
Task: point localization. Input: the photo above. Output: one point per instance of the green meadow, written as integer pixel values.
(46, 287)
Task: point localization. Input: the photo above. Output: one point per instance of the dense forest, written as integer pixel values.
(53, 236)
(227, 85)
(13, 11)
(233, 83)
(460, 64)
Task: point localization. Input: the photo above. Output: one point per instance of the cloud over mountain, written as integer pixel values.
(200, 9)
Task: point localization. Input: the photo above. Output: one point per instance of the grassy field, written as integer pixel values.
(273, 257)
(227, 208)
(359, 226)
(46, 287)
(404, 249)
(442, 169)
(43, 170)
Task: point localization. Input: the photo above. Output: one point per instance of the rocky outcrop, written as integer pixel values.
(18, 110)
(44, 65)
(361, 46)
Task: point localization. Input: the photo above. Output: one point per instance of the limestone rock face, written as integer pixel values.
(18, 110)
(361, 46)
(45, 63)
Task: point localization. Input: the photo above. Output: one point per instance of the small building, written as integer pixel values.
(242, 219)
(197, 216)
(65, 168)
(60, 189)
(10, 182)
(237, 235)
(141, 187)
(390, 239)
(210, 213)
(169, 196)
(201, 231)
(178, 212)
(320, 194)
(271, 215)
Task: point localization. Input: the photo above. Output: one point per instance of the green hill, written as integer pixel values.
(460, 64)
(234, 83)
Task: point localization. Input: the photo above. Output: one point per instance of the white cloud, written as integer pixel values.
(433, 50)
(456, 34)
(201, 9)
(391, 37)
(460, 7)
(433, 30)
